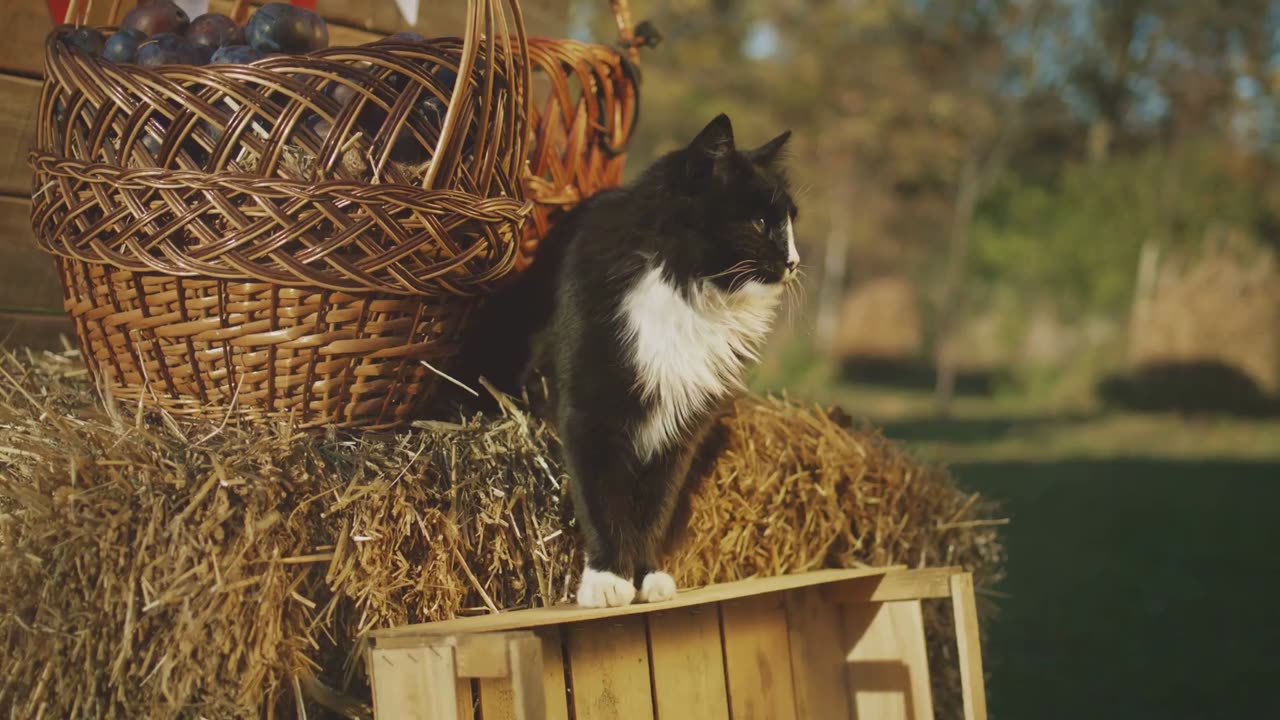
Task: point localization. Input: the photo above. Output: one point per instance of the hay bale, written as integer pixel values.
(880, 318)
(157, 569)
(1221, 306)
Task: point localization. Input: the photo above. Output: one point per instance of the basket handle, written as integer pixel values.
(74, 11)
(485, 20)
(626, 29)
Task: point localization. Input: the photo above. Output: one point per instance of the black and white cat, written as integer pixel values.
(642, 309)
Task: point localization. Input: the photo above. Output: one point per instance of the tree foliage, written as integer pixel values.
(1028, 146)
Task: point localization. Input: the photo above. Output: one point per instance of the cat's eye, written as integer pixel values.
(758, 224)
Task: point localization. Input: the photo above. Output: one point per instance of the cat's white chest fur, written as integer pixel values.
(689, 349)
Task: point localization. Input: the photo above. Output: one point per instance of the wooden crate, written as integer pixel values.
(823, 644)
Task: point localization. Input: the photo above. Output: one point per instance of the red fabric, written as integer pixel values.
(57, 10)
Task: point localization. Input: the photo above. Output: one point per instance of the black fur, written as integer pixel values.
(697, 211)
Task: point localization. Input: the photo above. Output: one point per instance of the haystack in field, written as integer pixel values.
(152, 568)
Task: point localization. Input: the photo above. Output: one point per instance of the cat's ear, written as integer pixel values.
(711, 148)
(716, 138)
(770, 152)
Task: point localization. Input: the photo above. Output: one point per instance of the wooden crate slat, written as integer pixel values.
(888, 667)
(497, 699)
(468, 705)
(967, 642)
(526, 678)
(757, 658)
(553, 679)
(817, 655)
(609, 669)
(571, 613)
(688, 664)
(914, 585)
(414, 683)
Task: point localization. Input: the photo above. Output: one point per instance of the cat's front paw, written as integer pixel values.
(657, 587)
(601, 588)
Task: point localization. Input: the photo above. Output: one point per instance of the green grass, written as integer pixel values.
(1008, 428)
(1142, 552)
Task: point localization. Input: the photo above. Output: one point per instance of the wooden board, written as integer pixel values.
(688, 664)
(757, 658)
(526, 678)
(19, 98)
(973, 685)
(497, 699)
(37, 332)
(414, 683)
(817, 655)
(468, 707)
(559, 614)
(919, 584)
(553, 672)
(28, 275)
(26, 23)
(888, 668)
(609, 670)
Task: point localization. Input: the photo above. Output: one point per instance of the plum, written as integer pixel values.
(203, 53)
(433, 108)
(122, 46)
(168, 49)
(407, 149)
(87, 39)
(215, 30)
(236, 55)
(280, 27)
(154, 18)
(447, 77)
(406, 36)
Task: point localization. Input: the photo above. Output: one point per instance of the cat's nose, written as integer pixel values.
(793, 263)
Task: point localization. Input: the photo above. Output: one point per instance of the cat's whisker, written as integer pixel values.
(739, 281)
(801, 296)
(739, 266)
(791, 301)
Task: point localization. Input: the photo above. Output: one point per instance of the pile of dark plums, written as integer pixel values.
(158, 32)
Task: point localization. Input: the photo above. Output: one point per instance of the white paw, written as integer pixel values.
(601, 588)
(657, 587)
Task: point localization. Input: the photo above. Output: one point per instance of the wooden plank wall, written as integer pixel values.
(28, 284)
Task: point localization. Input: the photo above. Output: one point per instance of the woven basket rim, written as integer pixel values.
(494, 211)
(52, 44)
(94, 172)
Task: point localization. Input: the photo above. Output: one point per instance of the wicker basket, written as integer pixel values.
(582, 125)
(236, 240)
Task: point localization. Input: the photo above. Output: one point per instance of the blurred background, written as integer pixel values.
(1040, 240)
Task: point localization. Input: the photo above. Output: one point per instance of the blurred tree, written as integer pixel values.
(981, 146)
